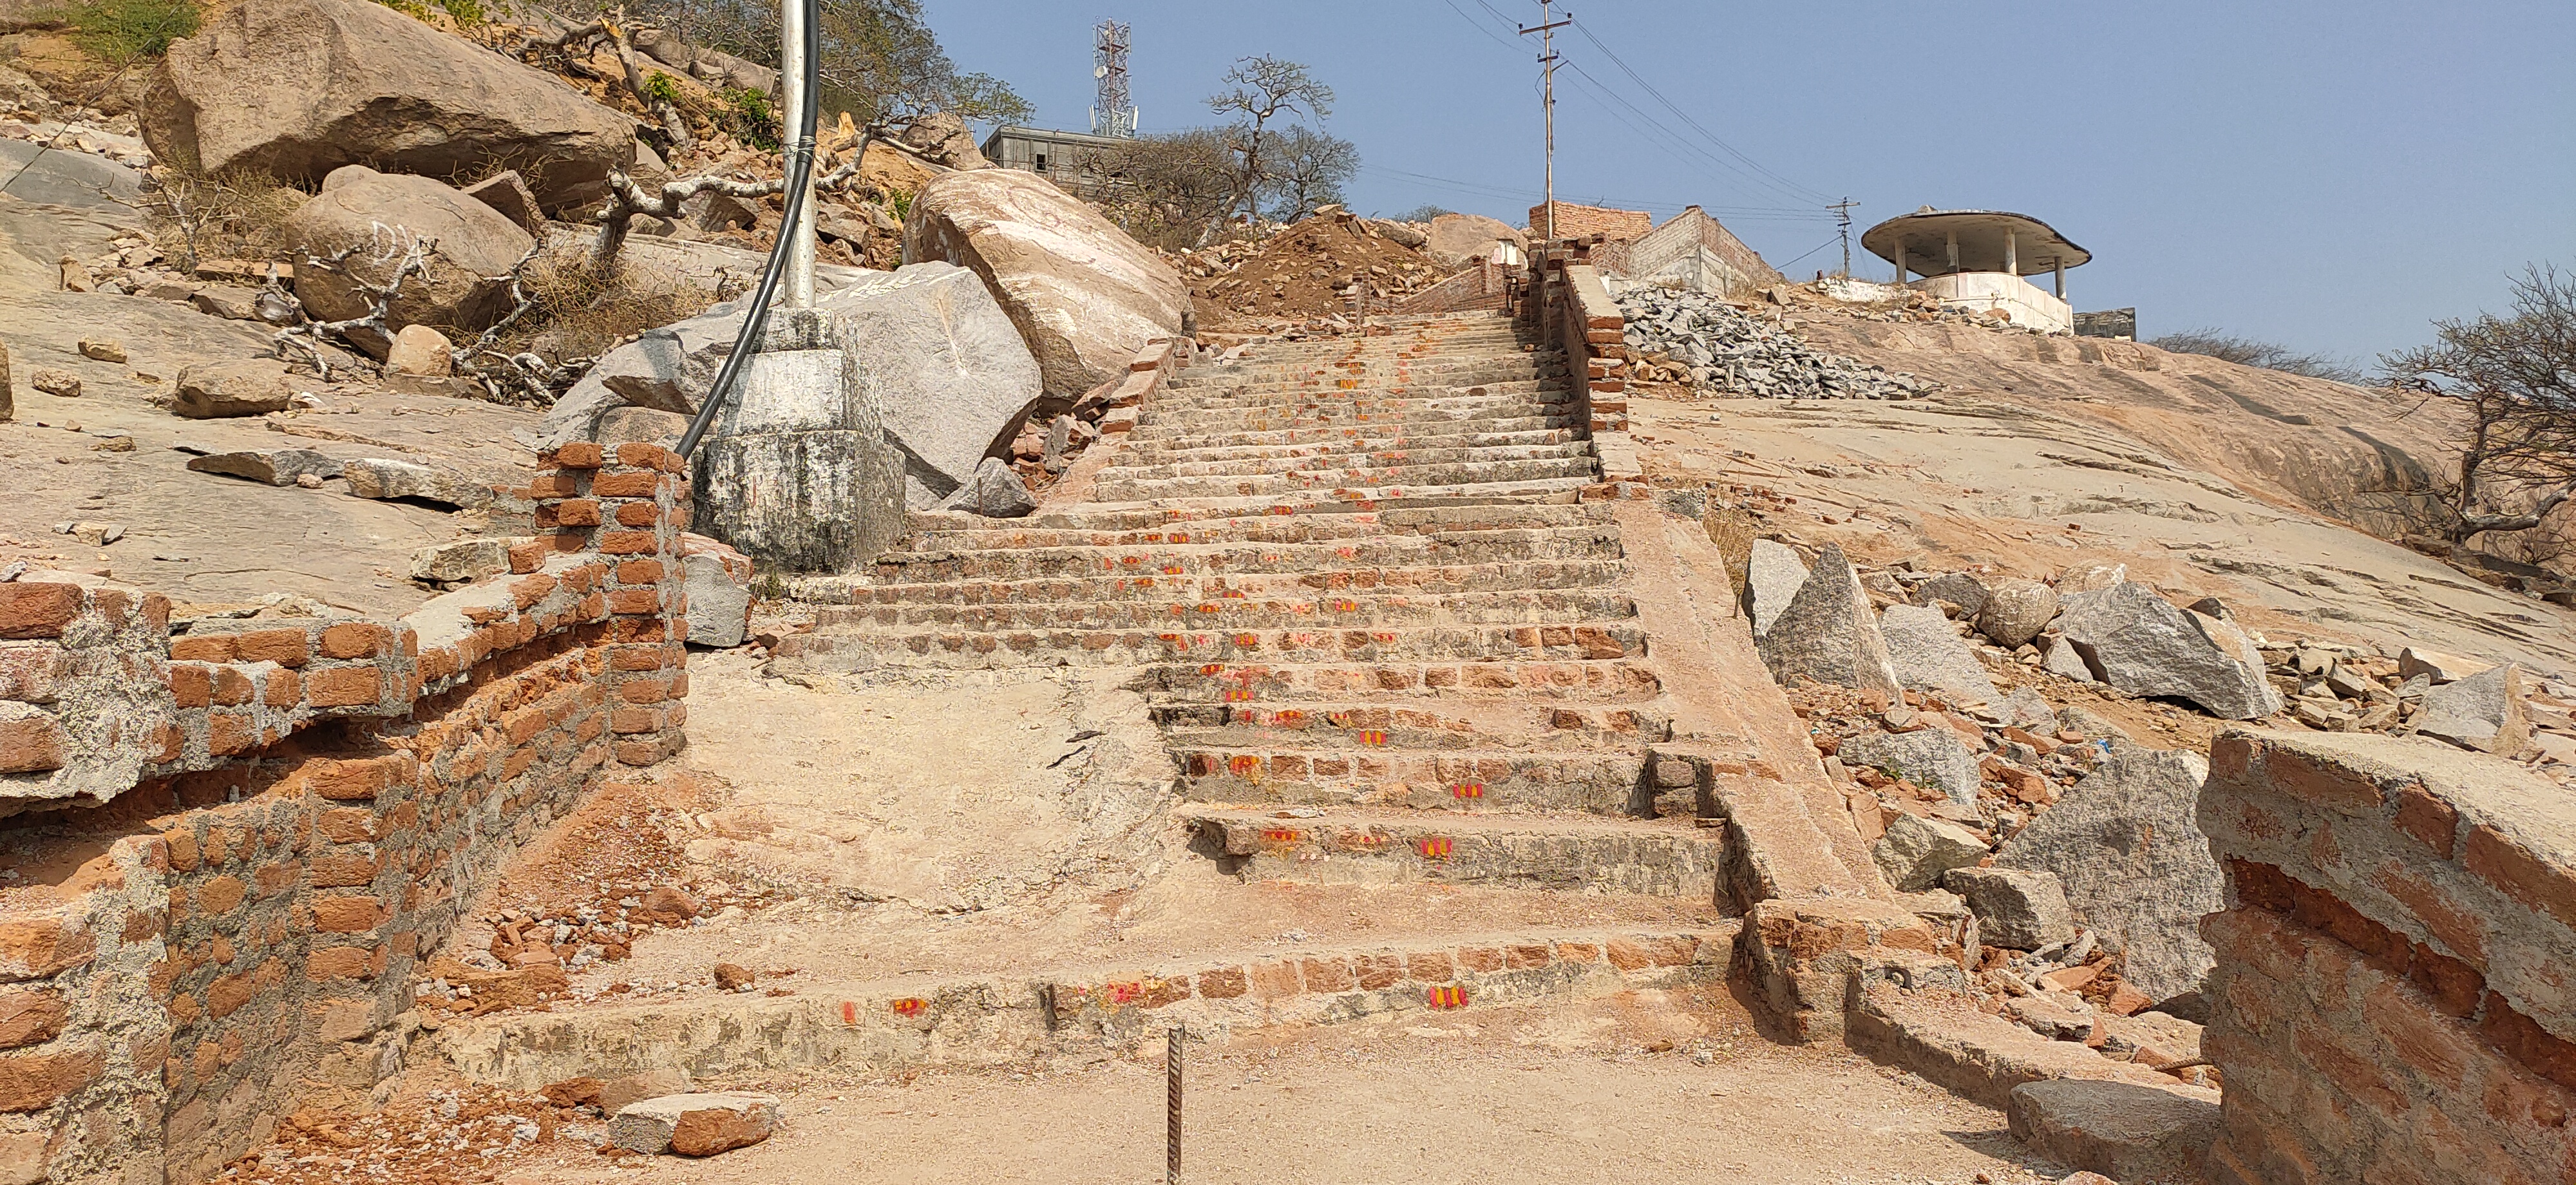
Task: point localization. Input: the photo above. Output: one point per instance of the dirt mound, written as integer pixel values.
(1309, 271)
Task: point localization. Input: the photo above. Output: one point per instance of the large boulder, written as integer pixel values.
(2016, 910)
(1929, 655)
(1917, 852)
(2015, 611)
(2484, 712)
(1455, 240)
(1828, 633)
(2142, 644)
(1934, 758)
(297, 88)
(378, 218)
(1773, 573)
(945, 140)
(2127, 846)
(944, 364)
(1085, 297)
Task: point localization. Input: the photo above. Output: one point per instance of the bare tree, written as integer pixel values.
(1171, 190)
(2515, 377)
(1261, 89)
(1311, 168)
(2228, 347)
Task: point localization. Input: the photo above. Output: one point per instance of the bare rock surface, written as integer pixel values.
(1773, 574)
(1455, 240)
(2123, 1131)
(2484, 712)
(945, 366)
(695, 1124)
(1084, 295)
(2136, 867)
(1916, 852)
(298, 88)
(2016, 909)
(1930, 757)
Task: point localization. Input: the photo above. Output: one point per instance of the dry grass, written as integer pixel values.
(229, 214)
(579, 314)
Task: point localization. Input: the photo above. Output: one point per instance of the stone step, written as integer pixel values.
(1556, 853)
(1369, 436)
(1358, 407)
(1405, 383)
(976, 650)
(1335, 443)
(1410, 453)
(1449, 780)
(1579, 470)
(1599, 682)
(961, 532)
(1417, 724)
(1379, 498)
(1162, 590)
(1498, 545)
(1239, 612)
(1015, 1017)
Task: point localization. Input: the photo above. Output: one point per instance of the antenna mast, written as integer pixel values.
(1111, 112)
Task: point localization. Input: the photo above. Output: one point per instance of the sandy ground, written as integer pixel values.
(1571, 1094)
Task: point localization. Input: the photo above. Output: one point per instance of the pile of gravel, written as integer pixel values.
(1723, 351)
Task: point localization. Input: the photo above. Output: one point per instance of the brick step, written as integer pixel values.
(1232, 612)
(1409, 453)
(1451, 780)
(1516, 727)
(960, 532)
(1445, 548)
(1579, 470)
(977, 650)
(1150, 452)
(1381, 498)
(884, 1026)
(1357, 407)
(1163, 590)
(1616, 681)
(1408, 382)
(1179, 435)
(1565, 854)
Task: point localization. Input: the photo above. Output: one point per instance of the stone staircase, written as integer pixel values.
(1360, 582)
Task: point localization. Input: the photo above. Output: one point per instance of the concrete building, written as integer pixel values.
(1066, 158)
(1975, 259)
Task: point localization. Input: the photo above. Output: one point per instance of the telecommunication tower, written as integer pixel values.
(1111, 113)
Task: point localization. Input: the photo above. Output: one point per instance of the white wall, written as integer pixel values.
(2031, 306)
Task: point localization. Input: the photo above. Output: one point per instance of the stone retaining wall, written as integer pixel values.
(1565, 305)
(236, 844)
(2393, 998)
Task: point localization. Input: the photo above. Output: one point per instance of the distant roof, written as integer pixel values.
(1044, 136)
(1925, 235)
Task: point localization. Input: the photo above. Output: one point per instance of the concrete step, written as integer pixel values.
(1159, 590)
(1449, 780)
(1441, 724)
(1578, 470)
(967, 532)
(1557, 853)
(1614, 681)
(901, 1024)
(974, 650)
(1498, 545)
(1352, 462)
(1556, 489)
(1232, 611)
(1334, 443)
(1180, 435)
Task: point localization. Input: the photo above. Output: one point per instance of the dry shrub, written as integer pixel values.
(580, 314)
(228, 214)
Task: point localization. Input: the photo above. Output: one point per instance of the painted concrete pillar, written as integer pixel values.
(1900, 265)
(1954, 250)
(2061, 277)
(2012, 253)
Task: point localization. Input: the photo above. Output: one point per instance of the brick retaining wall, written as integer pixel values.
(296, 811)
(2393, 1000)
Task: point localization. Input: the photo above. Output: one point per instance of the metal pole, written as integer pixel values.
(1172, 1106)
(794, 100)
(1546, 30)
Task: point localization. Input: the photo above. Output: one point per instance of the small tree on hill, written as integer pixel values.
(1311, 168)
(1260, 90)
(2515, 378)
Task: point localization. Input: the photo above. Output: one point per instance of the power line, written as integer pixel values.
(1489, 189)
(1795, 189)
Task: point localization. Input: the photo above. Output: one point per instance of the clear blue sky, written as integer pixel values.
(2330, 176)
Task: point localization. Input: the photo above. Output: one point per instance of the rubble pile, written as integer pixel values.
(1332, 262)
(1717, 348)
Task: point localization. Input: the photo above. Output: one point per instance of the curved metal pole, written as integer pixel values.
(800, 180)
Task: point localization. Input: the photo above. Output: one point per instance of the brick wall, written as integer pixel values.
(236, 930)
(2392, 1000)
(1576, 222)
(1483, 285)
(1564, 304)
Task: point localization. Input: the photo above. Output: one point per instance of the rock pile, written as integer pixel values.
(1718, 348)
(1315, 267)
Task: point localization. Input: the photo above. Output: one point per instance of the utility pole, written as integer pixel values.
(1546, 31)
(791, 90)
(1842, 225)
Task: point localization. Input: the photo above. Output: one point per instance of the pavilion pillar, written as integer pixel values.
(2060, 263)
(1954, 251)
(2012, 253)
